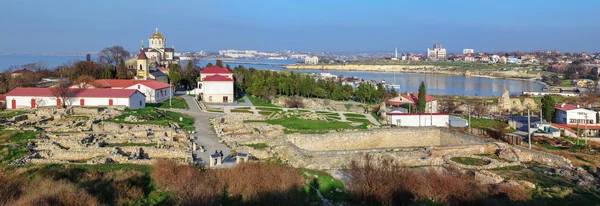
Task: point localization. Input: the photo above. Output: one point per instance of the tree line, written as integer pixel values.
(267, 84)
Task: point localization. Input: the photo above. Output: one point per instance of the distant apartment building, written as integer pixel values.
(468, 51)
(438, 52)
(238, 53)
(311, 60)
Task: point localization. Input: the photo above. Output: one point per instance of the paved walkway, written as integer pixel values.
(205, 135)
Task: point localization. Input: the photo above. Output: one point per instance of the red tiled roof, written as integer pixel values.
(215, 70)
(109, 83)
(217, 77)
(18, 71)
(416, 114)
(2, 97)
(414, 97)
(155, 84)
(163, 68)
(563, 126)
(142, 54)
(47, 92)
(565, 107)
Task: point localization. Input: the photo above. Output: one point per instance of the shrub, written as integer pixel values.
(513, 192)
(392, 185)
(294, 102)
(49, 192)
(247, 183)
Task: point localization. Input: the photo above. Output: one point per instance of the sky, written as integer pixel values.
(306, 25)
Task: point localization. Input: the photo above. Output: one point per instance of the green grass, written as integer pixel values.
(326, 113)
(130, 144)
(260, 146)
(13, 144)
(152, 115)
(326, 185)
(470, 161)
(348, 106)
(266, 113)
(357, 119)
(242, 110)
(81, 117)
(354, 115)
(192, 95)
(566, 83)
(177, 103)
(535, 173)
(11, 114)
(489, 124)
(309, 126)
(256, 101)
(215, 110)
(241, 100)
(269, 109)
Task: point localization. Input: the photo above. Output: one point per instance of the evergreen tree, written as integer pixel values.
(208, 65)
(174, 76)
(422, 101)
(106, 73)
(219, 63)
(122, 70)
(548, 107)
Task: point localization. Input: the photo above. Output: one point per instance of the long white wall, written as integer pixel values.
(422, 120)
(212, 88)
(152, 95)
(25, 101)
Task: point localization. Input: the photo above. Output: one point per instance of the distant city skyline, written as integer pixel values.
(311, 25)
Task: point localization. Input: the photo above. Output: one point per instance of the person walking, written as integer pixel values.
(221, 153)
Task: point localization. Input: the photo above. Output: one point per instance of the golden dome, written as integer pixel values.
(156, 35)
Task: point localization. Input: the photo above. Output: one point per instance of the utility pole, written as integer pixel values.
(529, 127)
(585, 131)
(470, 126)
(431, 112)
(541, 114)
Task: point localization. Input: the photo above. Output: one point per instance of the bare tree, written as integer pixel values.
(113, 55)
(479, 109)
(84, 81)
(63, 93)
(447, 106)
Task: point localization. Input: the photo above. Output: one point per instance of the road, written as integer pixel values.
(205, 135)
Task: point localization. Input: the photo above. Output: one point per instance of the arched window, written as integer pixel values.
(140, 66)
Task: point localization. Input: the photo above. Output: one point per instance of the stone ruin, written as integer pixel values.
(79, 135)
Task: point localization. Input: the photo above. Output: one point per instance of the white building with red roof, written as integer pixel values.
(154, 91)
(21, 97)
(573, 114)
(431, 105)
(216, 85)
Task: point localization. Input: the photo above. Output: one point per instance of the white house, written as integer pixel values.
(311, 60)
(573, 114)
(154, 91)
(419, 120)
(431, 105)
(41, 97)
(216, 85)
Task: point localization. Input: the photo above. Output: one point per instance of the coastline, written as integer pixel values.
(425, 69)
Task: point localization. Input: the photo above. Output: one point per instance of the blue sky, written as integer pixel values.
(307, 25)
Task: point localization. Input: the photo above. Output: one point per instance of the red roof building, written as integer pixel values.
(413, 98)
(215, 70)
(124, 83)
(217, 77)
(155, 91)
(142, 54)
(566, 107)
(22, 97)
(47, 92)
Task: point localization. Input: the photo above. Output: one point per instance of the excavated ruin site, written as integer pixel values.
(402, 146)
(82, 135)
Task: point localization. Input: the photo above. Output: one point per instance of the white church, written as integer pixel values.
(152, 61)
